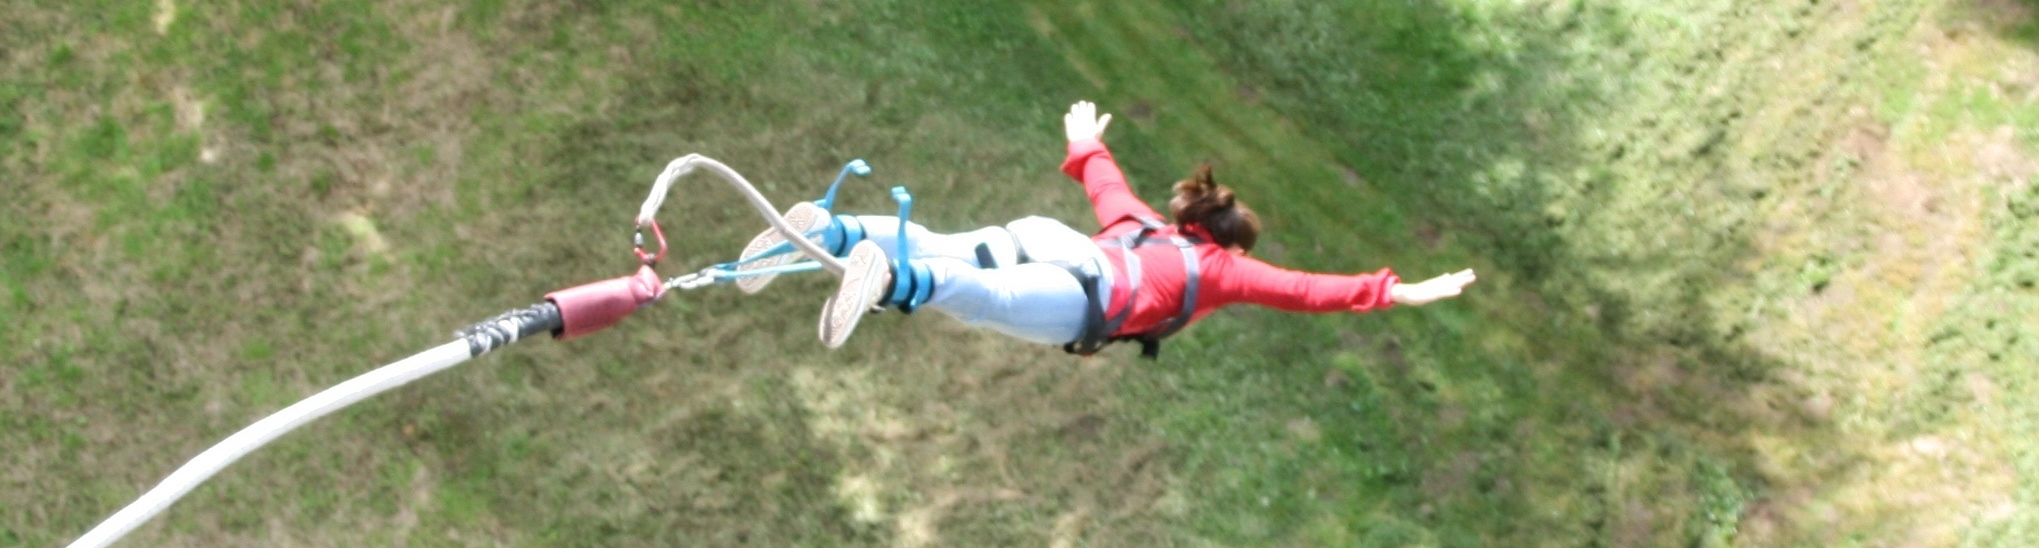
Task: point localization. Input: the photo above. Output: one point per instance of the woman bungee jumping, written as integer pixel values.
(1140, 278)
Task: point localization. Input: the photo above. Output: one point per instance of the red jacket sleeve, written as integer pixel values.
(1251, 281)
(1091, 164)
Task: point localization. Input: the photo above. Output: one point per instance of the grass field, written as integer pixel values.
(1753, 273)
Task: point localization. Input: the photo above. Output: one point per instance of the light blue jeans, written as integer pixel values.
(1034, 301)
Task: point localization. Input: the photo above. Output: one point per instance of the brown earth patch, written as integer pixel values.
(405, 151)
(1901, 225)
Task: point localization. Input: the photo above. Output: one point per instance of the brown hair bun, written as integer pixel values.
(1201, 201)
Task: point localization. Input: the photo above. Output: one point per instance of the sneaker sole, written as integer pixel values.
(804, 216)
(865, 275)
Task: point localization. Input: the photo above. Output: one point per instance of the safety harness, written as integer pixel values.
(1097, 329)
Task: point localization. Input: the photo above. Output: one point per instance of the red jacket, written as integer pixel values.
(1224, 278)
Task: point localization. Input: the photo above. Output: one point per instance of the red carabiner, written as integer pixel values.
(637, 244)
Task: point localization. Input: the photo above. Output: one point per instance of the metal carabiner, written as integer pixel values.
(637, 244)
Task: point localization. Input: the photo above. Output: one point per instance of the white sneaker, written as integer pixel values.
(867, 274)
(804, 216)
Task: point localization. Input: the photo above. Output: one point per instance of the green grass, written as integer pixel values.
(1752, 273)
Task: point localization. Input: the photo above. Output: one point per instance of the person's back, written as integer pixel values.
(1221, 232)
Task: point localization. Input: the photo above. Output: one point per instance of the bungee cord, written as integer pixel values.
(686, 164)
(474, 341)
(567, 313)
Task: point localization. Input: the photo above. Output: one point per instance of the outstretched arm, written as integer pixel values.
(1090, 163)
(1249, 280)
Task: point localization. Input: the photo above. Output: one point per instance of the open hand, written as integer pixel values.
(1082, 122)
(1427, 291)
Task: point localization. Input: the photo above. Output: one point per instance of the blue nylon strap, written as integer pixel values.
(843, 232)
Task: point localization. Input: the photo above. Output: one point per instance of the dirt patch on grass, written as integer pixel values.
(391, 140)
(1891, 233)
(1998, 16)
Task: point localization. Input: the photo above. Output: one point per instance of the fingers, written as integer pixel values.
(1082, 121)
(1463, 278)
(1458, 279)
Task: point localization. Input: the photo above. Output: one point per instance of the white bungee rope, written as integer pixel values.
(210, 462)
(686, 164)
(566, 313)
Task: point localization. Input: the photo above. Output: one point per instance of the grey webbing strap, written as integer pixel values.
(1129, 241)
(984, 258)
(1097, 329)
(1132, 277)
(1189, 288)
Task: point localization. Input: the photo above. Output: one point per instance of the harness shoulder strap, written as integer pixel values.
(1192, 279)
